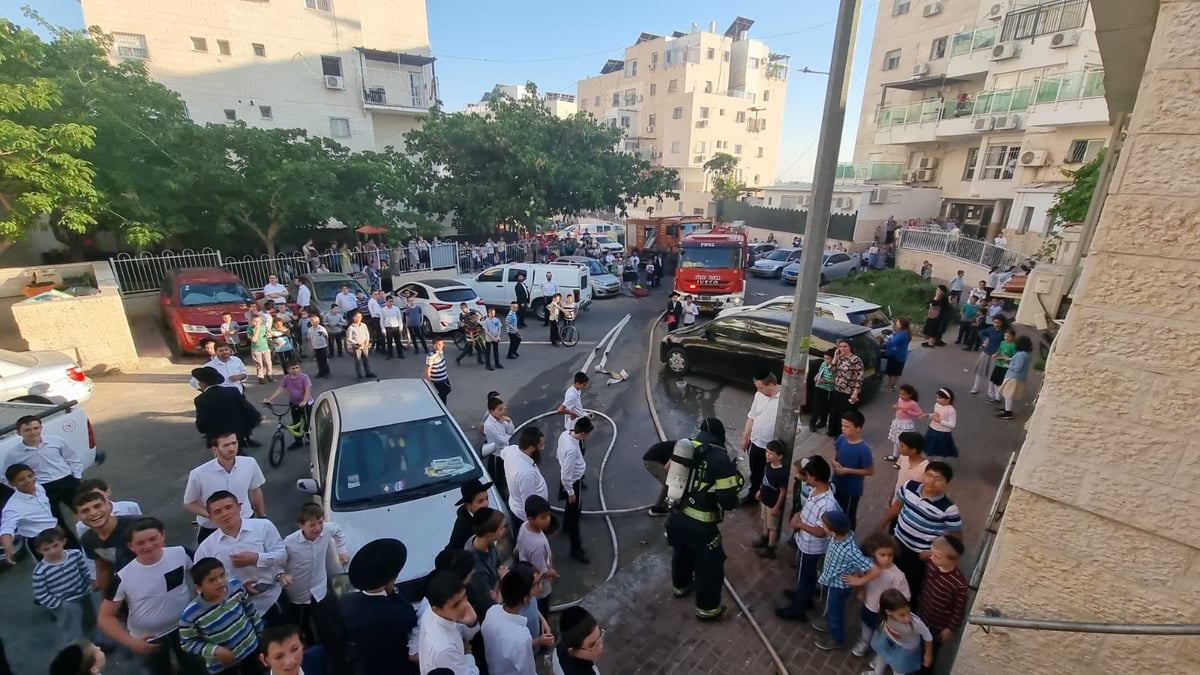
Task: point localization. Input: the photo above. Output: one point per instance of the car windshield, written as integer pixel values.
(874, 318)
(455, 295)
(601, 239)
(326, 291)
(221, 293)
(400, 462)
(710, 257)
(595, 268)
(778, 254)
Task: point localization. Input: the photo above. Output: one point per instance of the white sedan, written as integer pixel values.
(439, 300)
(42, 377)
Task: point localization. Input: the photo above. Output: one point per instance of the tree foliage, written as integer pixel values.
(519, 162)
(722, 169)
(1071, 205)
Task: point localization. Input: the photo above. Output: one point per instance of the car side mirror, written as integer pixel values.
(708, 334)
(308, 486)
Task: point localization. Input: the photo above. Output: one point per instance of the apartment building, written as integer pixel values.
(871, 205)
(357, 71)
(560, 105)
(987, 101)
(683, 97)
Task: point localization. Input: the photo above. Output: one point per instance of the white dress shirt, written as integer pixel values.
(524, 479)
(358, 335)
(50, 461)
(440, 645)
(257, 535)
(373, 307)
(573, 401)
(306, 563)
(496, 431)
(233, 366)
(275, 291)
(570, 462)
(346, 301)
(414, 638)
(389, 317)
(26, 515)
(508, 646)
(303, 296)
(210, 477)
(763, 411)
(549, 288)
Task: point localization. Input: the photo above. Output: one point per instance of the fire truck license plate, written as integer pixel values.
(708, 281)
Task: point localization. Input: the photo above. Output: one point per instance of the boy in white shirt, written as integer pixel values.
(690, 310)
(441, 640)
(309, 603)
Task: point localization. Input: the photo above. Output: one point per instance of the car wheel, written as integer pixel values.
(853, 271)
(823, 280)
(426, 327)
(539, 310)
(30, 398)
(677, 361)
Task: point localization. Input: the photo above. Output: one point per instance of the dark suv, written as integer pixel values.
(736, 346)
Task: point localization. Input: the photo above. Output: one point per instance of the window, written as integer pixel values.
(223, 47)
(891, 60)
(767, 95)
(265, 112)
(753, 63)
(760, 152)
(972, 160)
(1026, 219)
(322, 424)
(494, 275)
(199, 44)
(319, 5)
(633, 68)
(675, 145)
(654, 58)
(230, 115)
(727, 330)
(1000, 162)
(721, 112)
(616, 99)
(937, 50)
(259, 48)
(699, 147)
(710, 54)
(331, 65)
(672, 86)
(708, 86)
(1083, 151)
(611, 122)
(339, 127)
(741, 116)
(625, 122)
(697, 211)
(737, 148)
(900, 7)
(653, 89)
(630, 97)
(130, 45)
(725, 57)
(651, 120)
(677, 113)
(703, 113)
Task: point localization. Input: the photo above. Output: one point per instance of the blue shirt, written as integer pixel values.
(993, 338)
(1018, 367)
(852, 456)
(843, 557)
(896, 347)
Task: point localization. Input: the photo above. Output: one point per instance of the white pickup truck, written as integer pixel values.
(67, 420)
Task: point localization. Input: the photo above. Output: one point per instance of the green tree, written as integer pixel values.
(518, 163)
(1071, 205)
(722, 170)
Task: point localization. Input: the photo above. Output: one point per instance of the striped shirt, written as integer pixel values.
(843, 557)
(943, 600)
(814, 507)
(922, 519)
(436, 363)
(56, 583)
(232, 623)
(510, 323)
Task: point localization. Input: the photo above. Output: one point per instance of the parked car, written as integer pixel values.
(733, 347)
(388, 460)
(192, 301)
(757, 251)
(607, 243)
(830, 306)
(326, 285)
(772, 264)
(834, 265)
(439, 300)
(604, 283)
(497, 285)
(42, 377)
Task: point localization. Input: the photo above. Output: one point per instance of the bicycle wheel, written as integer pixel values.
(460, 341)
(569, 335)
(275, 453)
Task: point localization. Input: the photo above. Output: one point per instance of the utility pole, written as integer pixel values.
(832, 120)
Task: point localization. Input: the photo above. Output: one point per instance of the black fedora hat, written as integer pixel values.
(470, 489)
(377, 563)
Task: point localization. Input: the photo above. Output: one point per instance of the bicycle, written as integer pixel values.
(278, 441)
(568, 334)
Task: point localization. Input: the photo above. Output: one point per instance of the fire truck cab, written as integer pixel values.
(711, 268)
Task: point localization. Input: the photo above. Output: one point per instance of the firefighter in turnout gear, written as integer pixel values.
(712, 487)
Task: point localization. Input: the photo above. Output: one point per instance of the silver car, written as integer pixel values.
(604, 283)
(42, 377)
(771, 265)
(834, 265)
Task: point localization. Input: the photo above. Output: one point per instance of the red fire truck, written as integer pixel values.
(712, 268)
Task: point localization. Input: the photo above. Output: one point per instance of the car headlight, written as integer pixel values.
(735, 301)
(192, 328)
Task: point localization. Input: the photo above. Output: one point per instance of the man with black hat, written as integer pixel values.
(223, 409)
(378, 620)
(474, 497)
(698, 560)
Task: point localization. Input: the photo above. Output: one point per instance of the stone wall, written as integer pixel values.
(1104, 520)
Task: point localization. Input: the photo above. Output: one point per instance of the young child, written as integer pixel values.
(534, 548)
(926, 270)
(811, 538)
(852, 463)
(221, 624)
(259, 335)
(79, 658)
(490, 526)
(309, 604)
(1013, 386)
(912, 461)
(822, 390)
(690, 310)
(939, 439)
(281, 651)
(882, 576)
(903, 642)
(943, 599)
(843, 558)
(1008, 348)
(26, 513)
(800, 486)
(300, 332)
(966, 322)
(501, 633)
(63, 584)
(335, 323)
(231, 331)
(771, 499)
(281, 338)
(908, 411)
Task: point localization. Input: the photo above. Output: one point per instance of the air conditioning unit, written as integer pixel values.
(920, 69)
(927, 163)
(1067, 38)
(879, 196)
(1005, 50)
(932, 9)
(650, 67)
(1007, 122)
(334, 82)
(907, 177)
(1033, 158)
(983, 123)
(649, 128)
(923, 176)
(996, 11)
(700, 124)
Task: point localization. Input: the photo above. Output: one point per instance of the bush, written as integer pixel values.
(900, 292)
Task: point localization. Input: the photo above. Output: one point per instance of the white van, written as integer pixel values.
(496, 286)
(612, 230)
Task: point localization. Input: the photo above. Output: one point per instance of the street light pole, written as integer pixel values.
(832, 120)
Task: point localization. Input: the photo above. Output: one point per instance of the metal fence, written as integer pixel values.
(972, 250)
(145, 271)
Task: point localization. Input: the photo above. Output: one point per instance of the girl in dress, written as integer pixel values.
(939, 441)
(908, 411)
(1008, 348)
(903, 642)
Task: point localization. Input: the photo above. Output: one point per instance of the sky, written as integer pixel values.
(555, 44)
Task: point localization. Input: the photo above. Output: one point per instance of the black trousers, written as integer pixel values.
(849, 504)
(493, 350)
(554, 338)
(338, 343)
(417, 334)
(758, 466)
(514, 342)
(839, 403)
(318, 620)
(910, 563)
(393, 337)
(322, 354)
(571, 516)
(443, 389)
(820, 408)
(377, 340)
(59, 492)
(698, 560)
(521, 309)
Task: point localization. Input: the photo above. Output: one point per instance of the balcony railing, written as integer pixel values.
(966, 42)
(960, 246)
(1002, 101)
(870, 170)
(912, 113)
(1070, 87)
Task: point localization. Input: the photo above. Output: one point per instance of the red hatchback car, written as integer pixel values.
(193, 300)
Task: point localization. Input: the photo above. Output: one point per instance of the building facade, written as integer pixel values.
(560, 105)
(684, 97)
(357, 71)
(872, 204)
(988, 100)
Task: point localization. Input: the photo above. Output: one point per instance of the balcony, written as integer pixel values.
(911, 123)
(869, 171)
(971, 52)
(397, 83)
(1072, 98)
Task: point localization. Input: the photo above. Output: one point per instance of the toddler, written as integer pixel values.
(908, 411)
(882, 576)
(903, 642)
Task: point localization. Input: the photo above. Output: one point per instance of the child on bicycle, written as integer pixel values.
(299, 390)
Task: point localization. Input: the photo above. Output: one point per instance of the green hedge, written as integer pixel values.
(904, 292)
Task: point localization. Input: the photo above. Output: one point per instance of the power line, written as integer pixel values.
(853, 79)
